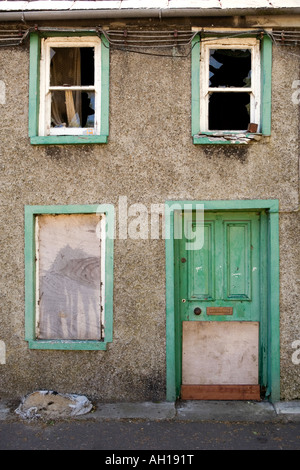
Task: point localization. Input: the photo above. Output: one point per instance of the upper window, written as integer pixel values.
(71, 77)
(231, 84)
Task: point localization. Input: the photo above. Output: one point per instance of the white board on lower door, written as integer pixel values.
(217, 352)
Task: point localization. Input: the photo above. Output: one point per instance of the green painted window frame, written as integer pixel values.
(30, 277)
(34, 95)
(173, 329)
(266, 90)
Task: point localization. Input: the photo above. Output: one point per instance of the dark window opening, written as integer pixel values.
(87, 65)
(230, 68)
(229, 111)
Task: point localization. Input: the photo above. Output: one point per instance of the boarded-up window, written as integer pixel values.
(70, 277)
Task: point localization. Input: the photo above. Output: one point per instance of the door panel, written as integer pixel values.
(225, 271)
(220, 303)
(237, 279)
(199, 268)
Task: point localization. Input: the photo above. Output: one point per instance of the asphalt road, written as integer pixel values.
(130, 437)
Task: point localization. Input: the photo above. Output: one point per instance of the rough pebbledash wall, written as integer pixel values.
(148, 159)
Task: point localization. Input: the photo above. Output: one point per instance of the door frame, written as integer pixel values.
(173, 324)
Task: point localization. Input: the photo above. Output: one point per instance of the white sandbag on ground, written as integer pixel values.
(50, 404)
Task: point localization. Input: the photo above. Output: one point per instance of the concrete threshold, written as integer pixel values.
(288, 408)
(225, 411)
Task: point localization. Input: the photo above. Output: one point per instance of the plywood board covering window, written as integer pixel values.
(70, 284)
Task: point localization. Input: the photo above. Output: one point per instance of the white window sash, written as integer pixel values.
(254, 91)
(45, 88)
(72, 131)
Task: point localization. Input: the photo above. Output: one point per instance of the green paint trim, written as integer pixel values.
(31, 211)
(173, 355)
(34, 91)
(104, 87)
(30, 276)
(69, 346)
(34, 78)
(195, 76)
(240, 204)
(109, 210)
(266, 85)
(170, 319)
(263, 328)
(266, 91)
(68, 139)
(273, 309)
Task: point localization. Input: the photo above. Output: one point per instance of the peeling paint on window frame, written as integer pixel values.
(201, 136)
(34, 95)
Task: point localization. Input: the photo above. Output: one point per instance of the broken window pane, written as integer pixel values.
(72, 108)
(71, 66)
(229, 111)
(230, 68)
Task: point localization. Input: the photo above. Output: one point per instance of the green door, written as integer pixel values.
(221, 303)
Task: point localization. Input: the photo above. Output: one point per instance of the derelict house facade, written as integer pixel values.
(150, 199)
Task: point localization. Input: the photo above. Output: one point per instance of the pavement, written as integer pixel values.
(230, 411)
(139, 434)
(201, 411)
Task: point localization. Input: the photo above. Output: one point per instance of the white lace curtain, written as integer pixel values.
(65, 71)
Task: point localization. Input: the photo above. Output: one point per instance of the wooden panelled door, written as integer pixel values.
(221, 290)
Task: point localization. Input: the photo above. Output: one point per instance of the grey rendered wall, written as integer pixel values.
(149, 158)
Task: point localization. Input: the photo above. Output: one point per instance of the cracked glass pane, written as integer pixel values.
(229, 68)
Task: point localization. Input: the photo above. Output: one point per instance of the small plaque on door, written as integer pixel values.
(219, 311)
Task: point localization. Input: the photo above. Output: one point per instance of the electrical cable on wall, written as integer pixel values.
(149, 39)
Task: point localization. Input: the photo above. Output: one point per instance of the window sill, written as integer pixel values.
(226, 138)
(68, 345)
(68, 139)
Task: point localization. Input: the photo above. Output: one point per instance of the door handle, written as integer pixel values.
(197, 311)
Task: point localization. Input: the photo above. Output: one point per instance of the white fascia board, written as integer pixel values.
(231, 4)
(96, 5)
(13, 6)
(62, 5)
(170, 4)
(166, 7)
(259, 4)
(283, 4)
